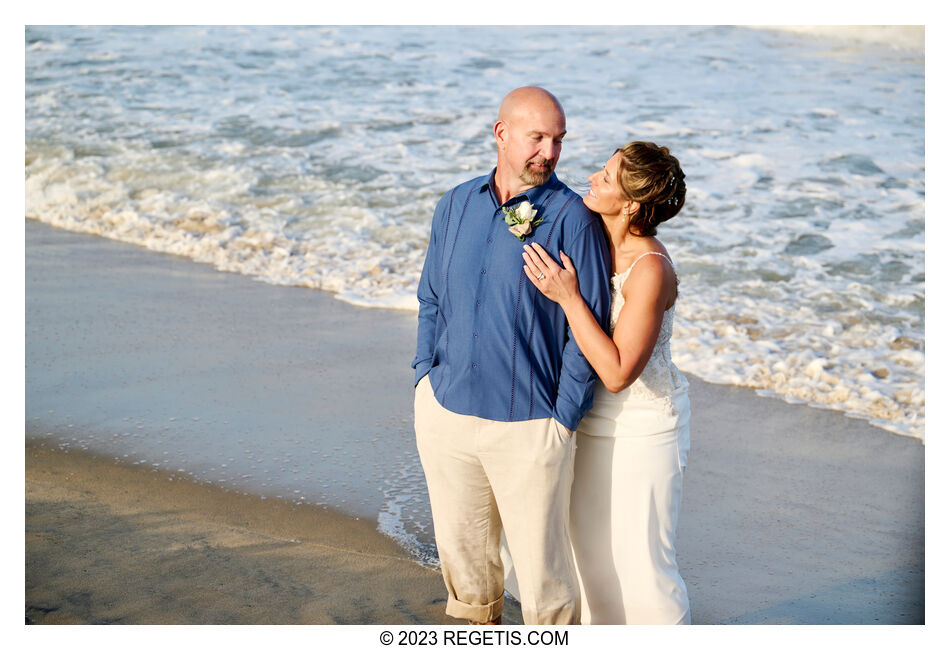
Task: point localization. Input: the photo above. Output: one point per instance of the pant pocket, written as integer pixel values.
(561, 432)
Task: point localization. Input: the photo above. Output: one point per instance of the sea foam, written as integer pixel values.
(315, 157)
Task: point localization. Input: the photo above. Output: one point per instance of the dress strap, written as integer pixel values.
(649, 253)
(622, 277)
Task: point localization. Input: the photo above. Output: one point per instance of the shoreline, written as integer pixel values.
(791, 514)
(402, 316)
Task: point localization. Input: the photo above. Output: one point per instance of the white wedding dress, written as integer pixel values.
(628, 480)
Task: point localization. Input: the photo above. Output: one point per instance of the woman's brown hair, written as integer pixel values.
(651, 176)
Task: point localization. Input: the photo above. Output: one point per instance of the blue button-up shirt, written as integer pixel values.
(492, 344)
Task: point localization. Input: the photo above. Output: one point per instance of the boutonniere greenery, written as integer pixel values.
(521, 219)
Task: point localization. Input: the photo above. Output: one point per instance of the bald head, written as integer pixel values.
(528, 98)
(528, 133)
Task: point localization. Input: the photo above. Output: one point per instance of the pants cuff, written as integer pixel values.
(475, 613)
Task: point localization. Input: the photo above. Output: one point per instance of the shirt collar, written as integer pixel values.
(531, 194)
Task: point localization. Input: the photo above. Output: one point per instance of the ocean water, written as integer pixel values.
(314, 157)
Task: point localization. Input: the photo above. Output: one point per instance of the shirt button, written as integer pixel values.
(474, 365)
(478, 303)
(491, 239)
(476, 335)
(484, 271)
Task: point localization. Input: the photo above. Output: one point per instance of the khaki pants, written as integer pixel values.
(483, 475)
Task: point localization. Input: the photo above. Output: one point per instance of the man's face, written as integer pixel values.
(533, 143)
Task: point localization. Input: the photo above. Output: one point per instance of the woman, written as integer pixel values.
(632, 445)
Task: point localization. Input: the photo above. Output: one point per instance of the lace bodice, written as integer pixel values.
(660, 378)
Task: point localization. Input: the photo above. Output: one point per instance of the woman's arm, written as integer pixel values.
(575, 377)
(618, 361)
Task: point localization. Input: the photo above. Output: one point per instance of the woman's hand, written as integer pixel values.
(556, 283)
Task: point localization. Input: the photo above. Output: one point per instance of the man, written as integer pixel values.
(500, 382)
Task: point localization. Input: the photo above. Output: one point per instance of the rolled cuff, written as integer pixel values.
(475, 613)
(569, 414)
(422, 368)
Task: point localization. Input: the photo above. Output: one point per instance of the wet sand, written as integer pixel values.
(107, 543)
(790, 514)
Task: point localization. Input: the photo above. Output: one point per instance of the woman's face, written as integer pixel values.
(605, 196)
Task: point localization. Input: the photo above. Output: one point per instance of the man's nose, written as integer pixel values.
(548, 149)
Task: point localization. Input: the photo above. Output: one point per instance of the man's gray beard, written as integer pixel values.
(530, 177)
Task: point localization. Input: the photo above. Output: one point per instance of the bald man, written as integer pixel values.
(500, 382)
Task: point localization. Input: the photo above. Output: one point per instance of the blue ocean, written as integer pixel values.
(314, 156)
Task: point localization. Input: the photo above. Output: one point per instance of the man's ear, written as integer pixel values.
(501, 133)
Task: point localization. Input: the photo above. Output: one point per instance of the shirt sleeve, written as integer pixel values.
(428, 295)
(589, 254)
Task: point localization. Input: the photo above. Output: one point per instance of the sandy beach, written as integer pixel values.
(791, 514)
(108, 543)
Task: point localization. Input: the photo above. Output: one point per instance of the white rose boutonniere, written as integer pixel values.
(521, 219)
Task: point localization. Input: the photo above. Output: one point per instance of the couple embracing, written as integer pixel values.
(546, 402)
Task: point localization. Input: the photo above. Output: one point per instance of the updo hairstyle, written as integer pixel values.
(651, 176)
